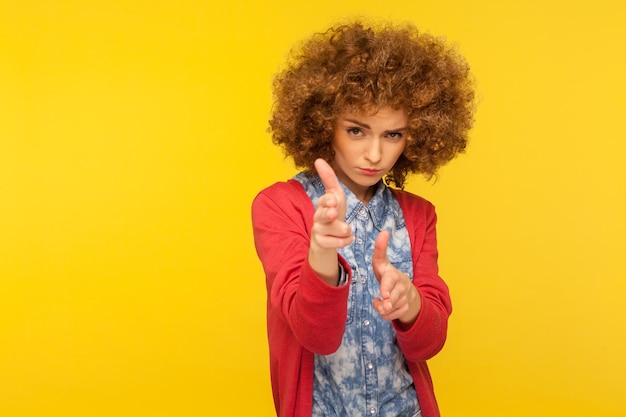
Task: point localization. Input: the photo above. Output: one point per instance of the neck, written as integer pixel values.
(368, 194)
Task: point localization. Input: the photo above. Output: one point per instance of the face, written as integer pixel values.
(367, 147)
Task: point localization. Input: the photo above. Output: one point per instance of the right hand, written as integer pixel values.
(330, 231)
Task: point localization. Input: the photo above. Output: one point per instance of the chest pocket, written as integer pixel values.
(405, 266)
(399, 251)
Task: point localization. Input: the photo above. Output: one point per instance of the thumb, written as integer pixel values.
(379, 258)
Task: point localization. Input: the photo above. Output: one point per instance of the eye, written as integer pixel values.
(354, 131)
(395, 135)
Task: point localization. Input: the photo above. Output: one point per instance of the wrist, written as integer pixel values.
(415, 305)
(324, 263)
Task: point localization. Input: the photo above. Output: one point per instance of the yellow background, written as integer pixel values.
(132, 141)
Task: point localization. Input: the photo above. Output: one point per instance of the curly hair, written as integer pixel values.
(358, 69)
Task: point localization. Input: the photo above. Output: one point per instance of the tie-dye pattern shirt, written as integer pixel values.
(367, 375)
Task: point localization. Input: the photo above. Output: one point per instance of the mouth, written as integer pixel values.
(370, 171)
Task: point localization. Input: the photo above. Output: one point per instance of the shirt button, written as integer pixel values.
(359, 241)
(370, 366)
(366, 322)
(362, 212)
(372, 410)
(363, 280)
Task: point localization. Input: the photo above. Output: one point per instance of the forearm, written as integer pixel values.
(425, 337)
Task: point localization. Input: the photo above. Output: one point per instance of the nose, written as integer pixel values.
(373, 152)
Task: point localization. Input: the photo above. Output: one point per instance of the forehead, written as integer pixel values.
(379, 115)
(367, 109)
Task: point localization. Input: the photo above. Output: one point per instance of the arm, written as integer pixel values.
(425, 337)
(314, 311)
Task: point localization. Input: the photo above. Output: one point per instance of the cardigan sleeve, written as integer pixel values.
(426, 337)
(314, 311)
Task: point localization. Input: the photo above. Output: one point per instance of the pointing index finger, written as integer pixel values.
(379, 257)
(380, 247)
(328, 176)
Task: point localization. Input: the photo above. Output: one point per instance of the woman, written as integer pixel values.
(355, 304)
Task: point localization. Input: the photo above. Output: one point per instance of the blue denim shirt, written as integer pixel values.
(367, 375)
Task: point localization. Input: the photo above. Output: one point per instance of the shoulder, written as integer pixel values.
(287, 196)
(290, 190)
(412, 203)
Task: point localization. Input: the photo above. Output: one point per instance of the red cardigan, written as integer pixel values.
(305, 316)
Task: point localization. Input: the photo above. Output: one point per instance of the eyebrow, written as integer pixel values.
(366, 126)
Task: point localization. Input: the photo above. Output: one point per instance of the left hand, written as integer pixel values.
(399, 299)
